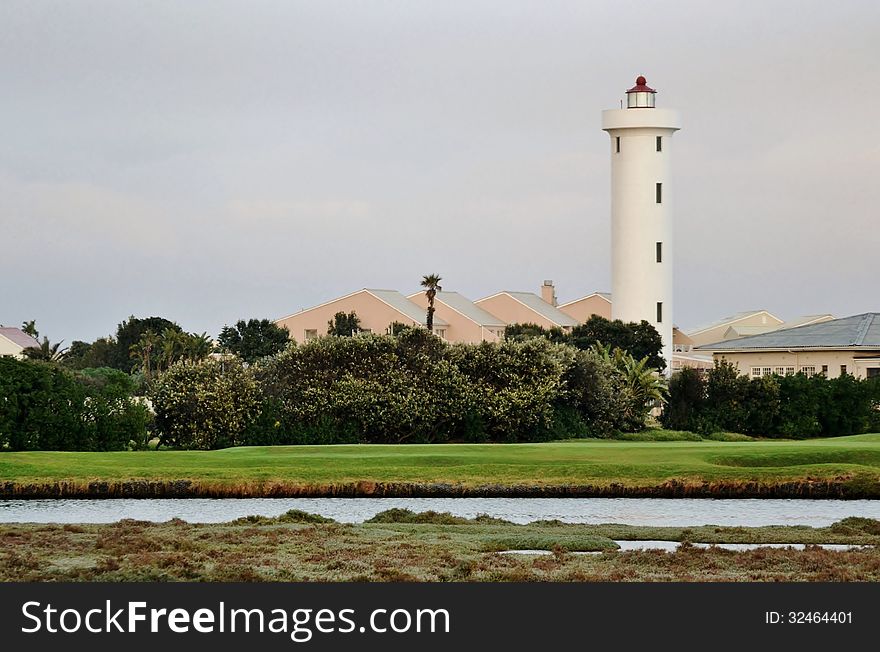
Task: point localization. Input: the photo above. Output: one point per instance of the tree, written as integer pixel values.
(129, 333)
(640, 340)
(197, 347)
(344, 325)
(431, 283)
(253, 339)
(522, 332)
(47, 352)
(82, 355)
(687, 401)
(643, 386)
(143, 352)
(30, 327)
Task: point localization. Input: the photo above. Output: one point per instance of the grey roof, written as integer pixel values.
(18, 336)
(858, 331)
(727, 320)
(469, 309)
(403, 305)
(543, 308)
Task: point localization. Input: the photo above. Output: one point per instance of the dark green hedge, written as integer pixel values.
(46, 407)
(794, 406)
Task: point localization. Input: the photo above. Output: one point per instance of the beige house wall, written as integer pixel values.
(7, 347)
(512, 311)
(717, 333)
(857, 363)
(461, 329)
(584, 308)
(375, 315)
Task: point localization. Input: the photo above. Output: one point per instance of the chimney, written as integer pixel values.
(548, 293)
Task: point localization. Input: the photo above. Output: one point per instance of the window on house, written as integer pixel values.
(756, 372)
(766, 371)
(659, 193)
(808, 371)
(311, 334)
(617, 144)
(659, 252)
(779, 371)
(873, 372)
(659, 312)
(659, 143)
(843, 370)
(825, 369)
(789, 371)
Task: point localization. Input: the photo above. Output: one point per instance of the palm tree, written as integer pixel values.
(46, 352)
(143, 350)
(30, 327)
(173, 346)
(431, 283)
(198, 347)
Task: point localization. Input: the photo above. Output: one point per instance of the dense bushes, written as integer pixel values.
(414, 388)
(403, 388)
(782, 406)
(45, 407)
(206, 405)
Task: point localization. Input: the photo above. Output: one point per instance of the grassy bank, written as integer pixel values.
(438, 548)
(844, 466)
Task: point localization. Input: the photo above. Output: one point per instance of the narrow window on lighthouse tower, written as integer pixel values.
(659, 193)
(659, 312)
(659, 143)
(617, 143)
(659, 252)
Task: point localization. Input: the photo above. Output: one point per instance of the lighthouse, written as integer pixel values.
(641, 211)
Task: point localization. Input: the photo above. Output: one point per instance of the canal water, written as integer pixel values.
(632, 511)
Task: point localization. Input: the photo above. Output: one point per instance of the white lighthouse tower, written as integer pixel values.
(641, 211)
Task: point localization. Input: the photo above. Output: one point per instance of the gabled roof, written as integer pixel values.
(730, 319)
(403, 305)
(466, 307)
(604, 295)
(538, 305)
(804, 320)
(392, 298)
(745, 331)
(19, 337)
(856, 332)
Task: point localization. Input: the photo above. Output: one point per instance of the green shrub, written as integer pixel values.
(206, 405)
(46, 407)
(794, 406)
(413, 387)
(686, 402)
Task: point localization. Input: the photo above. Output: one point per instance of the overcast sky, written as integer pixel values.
(210, 161)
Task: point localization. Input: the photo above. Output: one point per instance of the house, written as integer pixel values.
(597, 303)
(13, 342)
(528, 308)
(760, 321)
(376, 309)
(831, 347)
(467, 321)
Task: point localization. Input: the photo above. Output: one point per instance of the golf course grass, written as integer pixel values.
(839, 467)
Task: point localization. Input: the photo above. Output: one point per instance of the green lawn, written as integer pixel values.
(578, 462)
